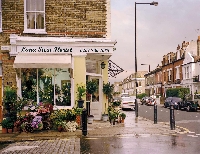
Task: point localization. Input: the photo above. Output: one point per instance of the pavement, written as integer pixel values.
(69, 142)
(139, 125)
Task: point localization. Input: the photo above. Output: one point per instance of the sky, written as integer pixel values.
(159, 31)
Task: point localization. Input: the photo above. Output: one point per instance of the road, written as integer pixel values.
(189, 120)
(136, 136)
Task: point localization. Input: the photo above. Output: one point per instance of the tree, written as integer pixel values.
(183, 93)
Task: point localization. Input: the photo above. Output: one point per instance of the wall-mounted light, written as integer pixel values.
(102, 64)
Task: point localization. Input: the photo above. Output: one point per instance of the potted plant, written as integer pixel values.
(4, 124)
(107, 90)
(90, 119)
(113, 114)
(122, 117)
(81, 92)
(105, 117)
(8, 124)
(10, 97)
(91, 88)
(78, 112)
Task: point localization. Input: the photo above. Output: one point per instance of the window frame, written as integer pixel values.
(35, 31)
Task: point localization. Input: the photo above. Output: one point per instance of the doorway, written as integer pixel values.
(96, 100)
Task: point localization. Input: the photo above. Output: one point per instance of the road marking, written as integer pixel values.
(191, 132)
(91, 138)
(192, 135)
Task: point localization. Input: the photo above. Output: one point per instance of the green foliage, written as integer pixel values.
(116, 103)
(123, 115)
(108, 90)
(140, 96)
(178, 92)
(7, 123)
(172, 92)
(183, 93)
(10, 95)
(81, 91)
(78, 111)
(91, 87)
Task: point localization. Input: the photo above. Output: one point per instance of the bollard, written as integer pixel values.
(172, 118)
(84, 122)
(136, 108)
(155, 113)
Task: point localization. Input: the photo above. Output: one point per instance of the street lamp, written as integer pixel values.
(136, 85)
(147, 64)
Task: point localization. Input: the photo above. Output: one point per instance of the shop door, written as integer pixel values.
(96, 101)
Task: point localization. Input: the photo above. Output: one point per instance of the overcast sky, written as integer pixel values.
(159, 31)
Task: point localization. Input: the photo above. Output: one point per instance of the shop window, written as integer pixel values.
(34, 16)
(54, 86)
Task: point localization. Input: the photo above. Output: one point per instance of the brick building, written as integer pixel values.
(48, 44)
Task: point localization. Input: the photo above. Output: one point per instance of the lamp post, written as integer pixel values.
(149, 66)
(136, 85)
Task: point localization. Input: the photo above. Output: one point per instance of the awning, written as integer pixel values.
(42, 61)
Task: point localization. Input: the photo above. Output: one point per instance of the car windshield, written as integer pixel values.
(125, 95)
(176, 99)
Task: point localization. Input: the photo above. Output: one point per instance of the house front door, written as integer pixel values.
(96, 100)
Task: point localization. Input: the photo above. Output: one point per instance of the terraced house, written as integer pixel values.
(48, 46)
(178, 69)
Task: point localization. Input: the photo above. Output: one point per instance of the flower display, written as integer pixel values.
(36, 121)
(71, 126)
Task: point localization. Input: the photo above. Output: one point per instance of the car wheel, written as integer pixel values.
(188, 109)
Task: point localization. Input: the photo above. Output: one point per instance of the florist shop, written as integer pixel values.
(48, 69)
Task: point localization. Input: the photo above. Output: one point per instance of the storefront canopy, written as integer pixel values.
(42, 61)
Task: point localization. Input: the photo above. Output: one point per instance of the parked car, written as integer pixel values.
(190, 105)
(151, 101)
(167, 102)
(175, 101)
(128, 103)
(144, 100)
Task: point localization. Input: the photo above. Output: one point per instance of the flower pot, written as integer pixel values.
(78, 120)
(122, 120)
(105, 118)
(10, 130)
(60, 128)
(90, 120)
(80, 103)
(4, 130)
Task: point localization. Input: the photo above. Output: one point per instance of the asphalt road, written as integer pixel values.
(189, 120)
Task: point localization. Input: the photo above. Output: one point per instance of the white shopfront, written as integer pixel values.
(48, 68)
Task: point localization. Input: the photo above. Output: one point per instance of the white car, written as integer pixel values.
(128, 103)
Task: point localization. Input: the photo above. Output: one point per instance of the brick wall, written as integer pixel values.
(71, 18)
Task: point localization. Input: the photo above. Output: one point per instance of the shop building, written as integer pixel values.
(48, 47)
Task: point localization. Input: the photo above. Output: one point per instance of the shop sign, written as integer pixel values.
(60, 49)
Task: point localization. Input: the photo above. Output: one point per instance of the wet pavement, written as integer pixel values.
(136, 135)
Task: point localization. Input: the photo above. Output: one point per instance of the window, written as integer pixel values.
(187, 73)
(54, 86)
(34, 16)
(0, 17)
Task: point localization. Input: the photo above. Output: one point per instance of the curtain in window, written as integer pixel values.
(35, 14)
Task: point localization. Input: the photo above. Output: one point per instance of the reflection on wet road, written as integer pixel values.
(147, 144)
